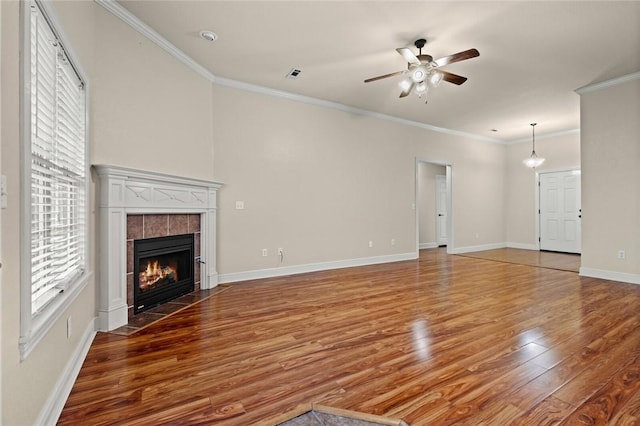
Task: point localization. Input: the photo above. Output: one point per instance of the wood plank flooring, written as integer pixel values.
(440, 340)
(542, 259)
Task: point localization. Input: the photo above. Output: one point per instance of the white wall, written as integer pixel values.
(427, 173)
(560, 153)
(611, 181)
(322, 183)
(147, 111)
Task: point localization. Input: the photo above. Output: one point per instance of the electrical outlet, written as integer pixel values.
(281, 254)
(264, 253)
(370, 243)
(393, 241)
(239, 205)
(621, 254)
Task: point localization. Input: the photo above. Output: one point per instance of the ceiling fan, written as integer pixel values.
(423, 71)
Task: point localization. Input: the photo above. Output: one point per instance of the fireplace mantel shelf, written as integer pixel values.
(125, 191)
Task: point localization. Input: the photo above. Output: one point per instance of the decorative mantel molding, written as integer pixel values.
(124, 191)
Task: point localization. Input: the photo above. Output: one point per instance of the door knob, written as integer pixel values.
(440, 214)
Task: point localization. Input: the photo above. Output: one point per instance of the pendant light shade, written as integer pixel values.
(533, 161)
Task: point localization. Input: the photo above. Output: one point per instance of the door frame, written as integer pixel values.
(449, 174)
(442, 207)
(537, 197)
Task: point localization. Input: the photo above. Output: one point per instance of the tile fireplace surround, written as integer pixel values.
(126, 192)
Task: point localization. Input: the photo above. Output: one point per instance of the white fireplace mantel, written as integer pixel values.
(124, 191)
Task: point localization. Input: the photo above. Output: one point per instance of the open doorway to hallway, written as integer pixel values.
(433, 205)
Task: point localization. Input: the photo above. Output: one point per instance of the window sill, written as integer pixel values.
(40, 325)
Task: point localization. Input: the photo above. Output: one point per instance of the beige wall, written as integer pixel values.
(147, 111)
(611, 179)
(322, 183)
(560, 153)
(317, 182)
(427, 201)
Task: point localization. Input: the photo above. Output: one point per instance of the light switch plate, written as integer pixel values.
(3, 192)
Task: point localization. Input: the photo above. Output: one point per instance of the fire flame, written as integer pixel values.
(154, 272)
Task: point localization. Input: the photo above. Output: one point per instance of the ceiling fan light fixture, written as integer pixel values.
(435, 78)
(404, 84)
(419, 74)
(533, 160)
(421, 88)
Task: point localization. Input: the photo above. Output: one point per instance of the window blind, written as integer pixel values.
(58, 166)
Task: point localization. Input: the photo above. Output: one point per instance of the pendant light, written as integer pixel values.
(533, 161)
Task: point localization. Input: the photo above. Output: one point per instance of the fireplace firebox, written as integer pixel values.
(163, 270)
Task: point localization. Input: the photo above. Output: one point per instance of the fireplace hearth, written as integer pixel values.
(163, 270)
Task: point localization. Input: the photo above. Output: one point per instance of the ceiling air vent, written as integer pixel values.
(294, 73)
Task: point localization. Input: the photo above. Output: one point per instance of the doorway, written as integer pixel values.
(442, 194)
(560, 212)
(433, 205)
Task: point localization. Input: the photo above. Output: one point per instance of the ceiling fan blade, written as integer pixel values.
(457, 57)
(407, 90)
(408, 55)
(380, 77)
(452, 78)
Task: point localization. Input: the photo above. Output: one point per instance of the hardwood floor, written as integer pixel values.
(542, 259)
(440, 340)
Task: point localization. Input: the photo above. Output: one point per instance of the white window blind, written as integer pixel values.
(57, 164)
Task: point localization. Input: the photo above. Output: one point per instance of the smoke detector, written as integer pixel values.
(208, 35)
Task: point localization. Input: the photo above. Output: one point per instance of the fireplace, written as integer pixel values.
(128, 196)
(163, 270)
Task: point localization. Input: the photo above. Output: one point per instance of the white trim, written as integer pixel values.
(610, 275)
(523, 246)
(313, 267)
(126, 191)
(135, 23)
(42, 323)
(423, 246)
(544, 136)
(470, 249)
(226, 82)
(608, 83)
(58, 396)
(35, 328)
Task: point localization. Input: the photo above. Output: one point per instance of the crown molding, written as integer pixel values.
(134, 22)
(544, 136)
(130, 19)
(226, 82)
(608, 83)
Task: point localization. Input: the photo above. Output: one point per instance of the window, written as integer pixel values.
(55, 250)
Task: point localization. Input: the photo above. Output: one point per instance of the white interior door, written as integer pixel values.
(441, 210)
(560, 211)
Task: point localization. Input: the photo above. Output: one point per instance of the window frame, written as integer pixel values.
(34, 327)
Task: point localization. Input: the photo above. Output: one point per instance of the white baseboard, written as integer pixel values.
(58, 397)
(469, 249)
(610, 275)
(523, 246)
(312, 267)
(422, 246)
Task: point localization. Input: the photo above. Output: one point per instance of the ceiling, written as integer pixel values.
(533, 54)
